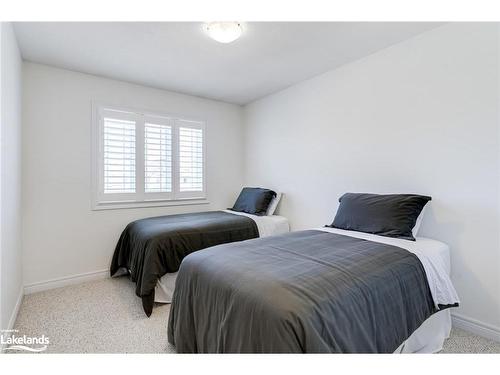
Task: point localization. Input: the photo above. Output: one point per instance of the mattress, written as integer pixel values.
(267, 225)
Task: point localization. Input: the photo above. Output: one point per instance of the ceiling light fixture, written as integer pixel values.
(223, 32)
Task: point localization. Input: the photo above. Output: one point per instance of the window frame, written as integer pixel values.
(103, 201)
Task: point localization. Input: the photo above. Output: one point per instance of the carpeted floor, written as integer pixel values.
(105, 316)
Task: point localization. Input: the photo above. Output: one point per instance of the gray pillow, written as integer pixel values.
(253, 201)
(391, 215)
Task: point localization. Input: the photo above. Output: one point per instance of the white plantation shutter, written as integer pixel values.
(191, 158)
(119, 156)
(157, 158)
(145, 159)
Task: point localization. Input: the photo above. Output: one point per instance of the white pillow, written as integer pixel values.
(273, 204)
(420, 217)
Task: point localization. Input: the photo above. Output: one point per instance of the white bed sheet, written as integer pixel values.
(271, 225)
(430, 336)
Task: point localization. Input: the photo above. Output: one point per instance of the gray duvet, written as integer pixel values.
(302, 292)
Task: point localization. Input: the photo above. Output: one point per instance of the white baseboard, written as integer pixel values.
(474, 326)
(13, 316)
(66, 280)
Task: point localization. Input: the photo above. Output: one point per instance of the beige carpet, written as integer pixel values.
(106, 317)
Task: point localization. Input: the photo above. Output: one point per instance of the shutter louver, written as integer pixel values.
(157, 158)
(190, 159)
(119, 156)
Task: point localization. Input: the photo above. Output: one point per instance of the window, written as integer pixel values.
(144, 159)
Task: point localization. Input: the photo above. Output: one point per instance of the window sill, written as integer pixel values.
(98, 206)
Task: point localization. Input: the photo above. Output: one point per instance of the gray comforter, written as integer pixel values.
(302, 292)
(151, 247)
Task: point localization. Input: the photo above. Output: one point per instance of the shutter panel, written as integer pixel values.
(190, 158)
(157, 158)
(119, 155)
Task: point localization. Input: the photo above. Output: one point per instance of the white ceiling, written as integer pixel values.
(179, 56)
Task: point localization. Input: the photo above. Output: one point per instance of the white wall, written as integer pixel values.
(420, 116)
(11, 280)
(62, 236)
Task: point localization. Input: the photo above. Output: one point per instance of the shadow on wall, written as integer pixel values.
(440, 223)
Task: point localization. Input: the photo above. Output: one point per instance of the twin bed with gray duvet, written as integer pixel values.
(361, 285)
(151, 249)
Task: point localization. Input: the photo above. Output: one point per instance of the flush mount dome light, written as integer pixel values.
(223, 32)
